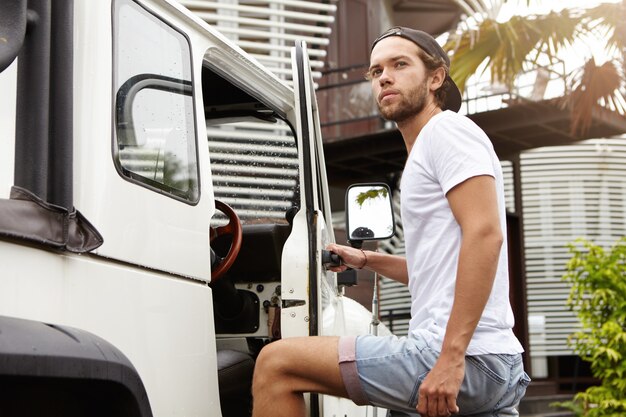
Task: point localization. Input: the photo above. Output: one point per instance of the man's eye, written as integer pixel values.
(400, 64)
(376, 73)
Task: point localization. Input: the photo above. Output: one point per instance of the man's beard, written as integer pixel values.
(406, 108)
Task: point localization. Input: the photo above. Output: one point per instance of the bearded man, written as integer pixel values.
(460, 356)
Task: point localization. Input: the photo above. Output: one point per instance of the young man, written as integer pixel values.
(460, 356)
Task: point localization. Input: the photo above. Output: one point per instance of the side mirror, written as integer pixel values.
(369, 213)
(13, 22)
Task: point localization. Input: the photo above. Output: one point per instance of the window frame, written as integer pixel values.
(193, 194)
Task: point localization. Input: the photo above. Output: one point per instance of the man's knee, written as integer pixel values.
(272, 362)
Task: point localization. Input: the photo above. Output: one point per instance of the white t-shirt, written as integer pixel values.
(449, 150)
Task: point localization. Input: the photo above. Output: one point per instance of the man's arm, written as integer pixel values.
(475, 207)
(390, 266)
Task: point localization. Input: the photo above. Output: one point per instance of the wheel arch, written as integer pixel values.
(46, 366)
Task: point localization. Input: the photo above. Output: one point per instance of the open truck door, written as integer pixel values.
(326, 311)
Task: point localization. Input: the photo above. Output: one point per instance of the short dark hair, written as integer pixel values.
(432, 64)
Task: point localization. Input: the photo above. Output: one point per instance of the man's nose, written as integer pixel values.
(385, 77)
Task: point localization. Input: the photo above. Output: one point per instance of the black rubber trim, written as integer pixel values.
(12, 30)
(311, 214)
(60, 183)
(32, 123)
(31, 349)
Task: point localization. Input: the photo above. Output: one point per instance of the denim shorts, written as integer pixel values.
(387, 371)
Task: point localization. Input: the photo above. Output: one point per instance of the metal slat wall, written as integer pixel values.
(255, 169)
(268, 29)
(568, 192)
(509, 192)
(395, 300)
(255, 165)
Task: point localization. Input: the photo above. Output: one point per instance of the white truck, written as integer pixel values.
(123, 125)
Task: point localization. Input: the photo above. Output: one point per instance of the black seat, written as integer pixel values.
(235, 370)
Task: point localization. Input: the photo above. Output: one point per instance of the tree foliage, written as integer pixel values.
(370, 194)
(505, 48)
(598, 296)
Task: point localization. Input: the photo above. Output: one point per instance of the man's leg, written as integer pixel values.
(287, 368)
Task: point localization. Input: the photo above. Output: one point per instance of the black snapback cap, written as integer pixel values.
(432, 48)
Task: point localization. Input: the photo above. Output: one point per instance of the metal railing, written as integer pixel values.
(346, 85)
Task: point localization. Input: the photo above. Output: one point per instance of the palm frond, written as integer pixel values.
(594, 87)
(507, 46)
(607, 21)
(469, 50)
(483, 9)
(504, 49)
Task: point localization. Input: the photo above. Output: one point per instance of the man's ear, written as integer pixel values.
(438, 76)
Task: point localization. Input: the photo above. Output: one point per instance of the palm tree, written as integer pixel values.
(507, 49)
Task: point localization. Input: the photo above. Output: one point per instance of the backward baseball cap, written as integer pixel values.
(432, 48)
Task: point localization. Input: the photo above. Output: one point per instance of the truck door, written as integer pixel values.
(304, 300)
(326, 305)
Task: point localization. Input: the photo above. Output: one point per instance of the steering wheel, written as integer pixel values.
(234, 229)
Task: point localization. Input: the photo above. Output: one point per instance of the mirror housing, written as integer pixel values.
(369, 213)
(13, 21)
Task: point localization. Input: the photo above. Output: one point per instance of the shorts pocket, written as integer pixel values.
(486, 380)
(520, 389)
(416, 388)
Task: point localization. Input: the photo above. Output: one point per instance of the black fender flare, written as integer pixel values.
(13, 18)
(35, 351)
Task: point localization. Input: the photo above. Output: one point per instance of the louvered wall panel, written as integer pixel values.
(568, 192)
(268, 29)
(255, 169)
(509, 192)
(395, 300)
(255, 165)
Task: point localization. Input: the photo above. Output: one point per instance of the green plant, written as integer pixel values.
(510, 47)
(371, 194)
(598, 296)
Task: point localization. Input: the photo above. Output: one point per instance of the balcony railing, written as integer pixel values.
(349, 110)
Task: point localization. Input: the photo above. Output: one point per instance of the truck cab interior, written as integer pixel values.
(254, 164)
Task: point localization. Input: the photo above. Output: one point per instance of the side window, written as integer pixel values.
(155, 134)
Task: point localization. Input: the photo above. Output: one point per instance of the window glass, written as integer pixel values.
(154, 112)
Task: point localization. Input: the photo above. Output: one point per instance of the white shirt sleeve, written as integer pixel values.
(458, 150)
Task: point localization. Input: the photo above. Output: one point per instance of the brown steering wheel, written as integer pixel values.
(234, 229)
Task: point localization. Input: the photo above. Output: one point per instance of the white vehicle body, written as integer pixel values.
(145, 288)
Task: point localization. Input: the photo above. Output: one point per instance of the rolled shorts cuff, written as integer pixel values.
(349, 371)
